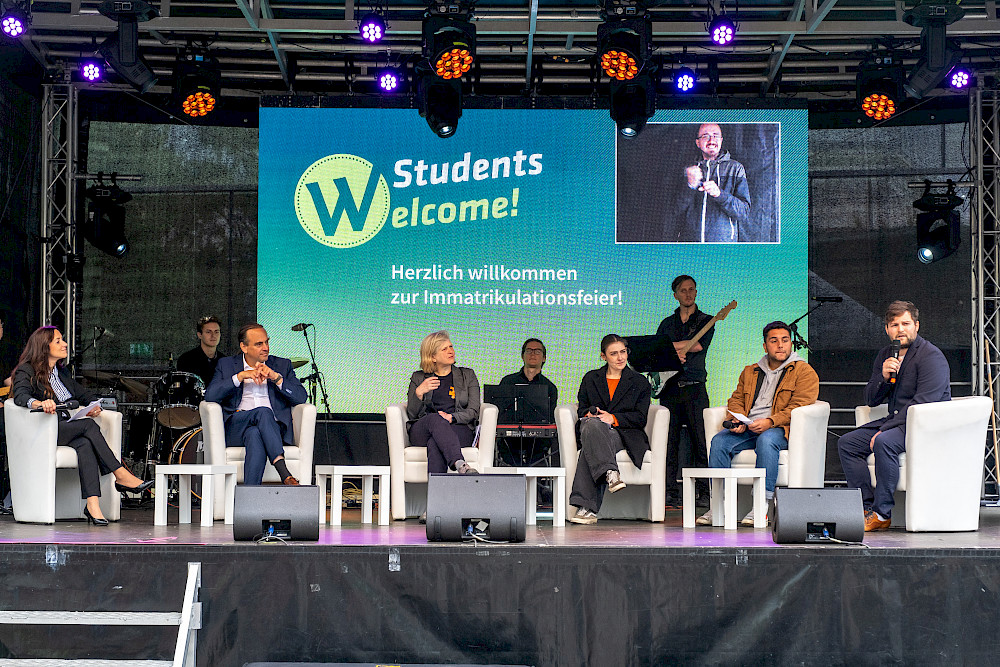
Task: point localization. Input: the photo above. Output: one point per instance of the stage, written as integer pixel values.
(616, 593)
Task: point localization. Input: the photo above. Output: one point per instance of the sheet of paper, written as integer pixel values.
(82, 412)
(741, 418)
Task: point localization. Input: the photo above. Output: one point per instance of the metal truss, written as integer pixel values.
(984, 124)
(58, 219)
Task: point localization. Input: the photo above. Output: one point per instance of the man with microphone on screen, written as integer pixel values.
(908, 371)
(719, 201)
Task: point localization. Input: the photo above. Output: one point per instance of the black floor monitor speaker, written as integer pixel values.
(469, 506)
(804, 516)
(288, 512)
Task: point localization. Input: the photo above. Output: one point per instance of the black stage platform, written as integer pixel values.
(617, 593)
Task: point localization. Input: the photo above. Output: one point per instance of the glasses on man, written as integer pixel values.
(534, 350)
(707, 136)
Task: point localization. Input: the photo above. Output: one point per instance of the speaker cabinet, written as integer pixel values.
(288, 512)
(815, 515)
(466, 506)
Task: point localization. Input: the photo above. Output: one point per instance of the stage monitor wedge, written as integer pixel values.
(286, 512)
(465, 506)
(806, 516)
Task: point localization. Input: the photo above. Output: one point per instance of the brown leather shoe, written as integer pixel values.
(290, 481)
(872, 522)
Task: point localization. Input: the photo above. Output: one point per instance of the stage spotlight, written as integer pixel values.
(722, 30)
(372, 28)
(624, 46)
(104, 226)
(685, 79)
(439, 100)
(15, 20)
(937, 56)
(196, 83)
(632, 104)
(90, 70)
(121, 49)
(939, 224)
(960, 78)
(879, 87)
(449, 44)
(389, 79)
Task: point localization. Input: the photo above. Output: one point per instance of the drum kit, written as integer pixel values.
(166, 412)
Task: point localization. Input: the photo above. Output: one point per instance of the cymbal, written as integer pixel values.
(100, 377)
(133, 386)
(127, 385)
(298, 361)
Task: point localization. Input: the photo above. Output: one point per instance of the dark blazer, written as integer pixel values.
(630, 406)
(25, 388)
(923, 378)
(221, 390)
(467, 397)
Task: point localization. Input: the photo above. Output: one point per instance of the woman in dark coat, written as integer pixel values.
(613, 403)
(41, 381)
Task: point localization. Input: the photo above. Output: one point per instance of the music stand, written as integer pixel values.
(521, 405)
(653, 354)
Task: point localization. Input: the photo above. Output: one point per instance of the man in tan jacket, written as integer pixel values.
(765, 396)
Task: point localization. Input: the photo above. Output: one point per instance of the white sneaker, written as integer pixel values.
(747, 520)
(705, 519)
(583, 516)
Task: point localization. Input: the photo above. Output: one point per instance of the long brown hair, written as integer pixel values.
(36, 353)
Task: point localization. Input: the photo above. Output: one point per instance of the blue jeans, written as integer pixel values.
(726, 445)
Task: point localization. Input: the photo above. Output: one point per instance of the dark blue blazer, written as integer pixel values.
(924, 377)
(221, 390)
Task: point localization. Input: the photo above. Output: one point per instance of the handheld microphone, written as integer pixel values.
(71, 404)
(895, 355)
(828, 299)
(730, 423)
(301, 326)
(102, 332)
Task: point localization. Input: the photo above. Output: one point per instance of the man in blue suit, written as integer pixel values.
(919, 374)
(257, 392)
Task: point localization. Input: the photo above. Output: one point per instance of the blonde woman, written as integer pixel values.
(442, 405)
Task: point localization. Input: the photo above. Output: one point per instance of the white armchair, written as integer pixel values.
(803, 464)
(941, 471)
(408, 465)
(633, 501)
(44, 481)
(298, 458)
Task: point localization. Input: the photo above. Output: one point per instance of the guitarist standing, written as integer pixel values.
(685, 395)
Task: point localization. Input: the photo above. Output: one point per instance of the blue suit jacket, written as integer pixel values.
(923, 377)
(221, 390)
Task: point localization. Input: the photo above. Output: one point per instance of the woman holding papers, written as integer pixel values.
(41, 381)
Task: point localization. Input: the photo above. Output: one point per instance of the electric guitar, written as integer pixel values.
(660, 381)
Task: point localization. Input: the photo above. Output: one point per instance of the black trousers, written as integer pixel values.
(443, 439)
(686, 405)
(599, 443)
(94, 457)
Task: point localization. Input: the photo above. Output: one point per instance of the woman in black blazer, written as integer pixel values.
(613, 405)
(40, 381)
(442, 404)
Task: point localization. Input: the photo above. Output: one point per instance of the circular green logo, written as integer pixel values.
(341, 201)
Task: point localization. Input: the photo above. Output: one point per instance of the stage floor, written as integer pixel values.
(136, 527)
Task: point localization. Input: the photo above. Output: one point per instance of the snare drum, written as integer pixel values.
(176, 397)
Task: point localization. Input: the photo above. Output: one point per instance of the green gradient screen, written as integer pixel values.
(379, 232)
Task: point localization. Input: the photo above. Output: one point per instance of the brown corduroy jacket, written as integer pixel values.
(798, 386)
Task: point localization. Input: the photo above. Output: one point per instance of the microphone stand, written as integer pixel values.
(316, 375)
(78, 355)
(798, 342)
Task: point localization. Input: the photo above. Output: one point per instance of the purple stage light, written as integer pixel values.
(685, 79)
(13, 25)
(372, 28)
(91, 70)
(722, 30)
(960, 78)
(388, 81)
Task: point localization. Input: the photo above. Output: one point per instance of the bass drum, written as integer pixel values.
(189, 447)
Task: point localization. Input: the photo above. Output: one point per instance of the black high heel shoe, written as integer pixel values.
(93, 520)
(143, 486)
